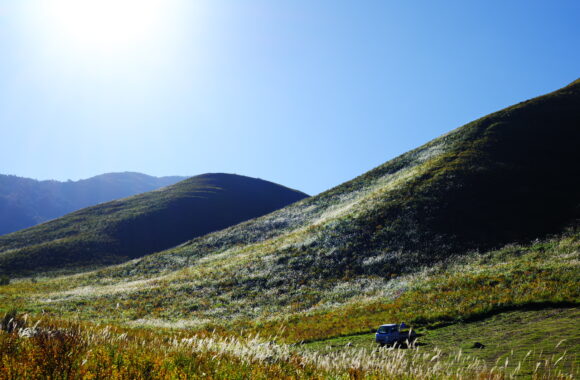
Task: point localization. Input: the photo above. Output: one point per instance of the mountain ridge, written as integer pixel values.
(422, 173)
(135, 226)
(25, 202)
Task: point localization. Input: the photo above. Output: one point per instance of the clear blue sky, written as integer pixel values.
(304, 93)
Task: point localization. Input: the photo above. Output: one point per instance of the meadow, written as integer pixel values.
(460, 298)
(53, 349)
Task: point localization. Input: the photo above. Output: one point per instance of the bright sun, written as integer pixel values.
(103, 26)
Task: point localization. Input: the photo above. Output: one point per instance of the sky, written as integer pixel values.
(304, 93)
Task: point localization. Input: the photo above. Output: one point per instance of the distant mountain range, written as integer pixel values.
(26, 202)
(132, 227)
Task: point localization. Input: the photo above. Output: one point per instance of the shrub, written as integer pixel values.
(12, 321)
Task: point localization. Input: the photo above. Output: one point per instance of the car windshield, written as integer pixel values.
(384, 329)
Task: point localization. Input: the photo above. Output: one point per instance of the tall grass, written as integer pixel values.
(55, 349)
(544, 273)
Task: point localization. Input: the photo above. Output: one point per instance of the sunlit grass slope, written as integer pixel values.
(477, 291)
(136, 226)
(509, 339)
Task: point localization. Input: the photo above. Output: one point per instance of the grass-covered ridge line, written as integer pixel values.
(510, 176)
(133, 227)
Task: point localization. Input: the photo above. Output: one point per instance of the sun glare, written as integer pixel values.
(103, 26)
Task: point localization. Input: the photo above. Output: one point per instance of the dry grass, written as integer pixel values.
(52, 349)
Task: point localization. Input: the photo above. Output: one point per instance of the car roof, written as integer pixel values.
(388, 325)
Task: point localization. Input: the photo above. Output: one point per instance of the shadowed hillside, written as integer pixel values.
(26, 202)
(508, 177)
(133, 227)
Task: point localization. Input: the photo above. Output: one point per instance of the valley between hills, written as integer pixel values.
(472, 237)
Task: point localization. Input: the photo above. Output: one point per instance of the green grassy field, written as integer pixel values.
(516, 336)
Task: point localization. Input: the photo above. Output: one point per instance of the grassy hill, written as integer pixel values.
(508, 177)
(136, 226)
(25, 202)
(477, 223)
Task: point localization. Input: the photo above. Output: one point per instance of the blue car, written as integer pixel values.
(392, 334)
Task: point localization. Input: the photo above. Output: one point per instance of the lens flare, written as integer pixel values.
(103, 26)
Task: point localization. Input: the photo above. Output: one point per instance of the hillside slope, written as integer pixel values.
(25, 202)
(397, 243)
(128, 228)
(412, 240)
(508, 177)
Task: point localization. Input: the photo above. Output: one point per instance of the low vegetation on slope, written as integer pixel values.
(542, 274)
(133, 227)
(511, 339)
(224, 348)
